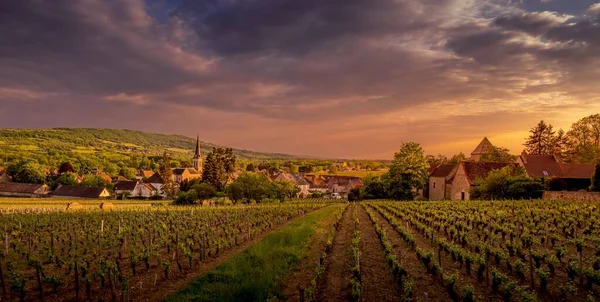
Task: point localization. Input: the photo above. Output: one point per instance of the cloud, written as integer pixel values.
(321, 69)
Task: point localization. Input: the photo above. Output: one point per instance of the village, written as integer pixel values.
(447, 181)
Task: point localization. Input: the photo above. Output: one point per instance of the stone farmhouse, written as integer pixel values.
(454, 181)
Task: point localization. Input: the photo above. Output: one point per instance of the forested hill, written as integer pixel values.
(109, 141)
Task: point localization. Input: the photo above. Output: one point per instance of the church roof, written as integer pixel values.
(485, 147)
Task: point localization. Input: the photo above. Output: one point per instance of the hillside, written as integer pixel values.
(109, 141)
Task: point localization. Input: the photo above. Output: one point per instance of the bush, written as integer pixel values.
(185, 198)
(507, 183)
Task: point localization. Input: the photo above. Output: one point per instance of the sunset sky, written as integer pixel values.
(331, 78)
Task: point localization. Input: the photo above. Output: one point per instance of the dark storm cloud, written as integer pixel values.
(304, 62)
(295, 27)
(81, 46)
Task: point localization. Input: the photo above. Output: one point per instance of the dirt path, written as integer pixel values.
(336, 280)
(424, 286)
(378, 283)
(305, 272)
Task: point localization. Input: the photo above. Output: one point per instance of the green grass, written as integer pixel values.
(254, 274)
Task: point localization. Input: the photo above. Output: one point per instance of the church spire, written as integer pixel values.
(197, 159)
(197, 153)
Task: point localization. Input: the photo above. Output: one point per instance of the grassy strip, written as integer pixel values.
(253, 274)
(310, 291)
(356, 281)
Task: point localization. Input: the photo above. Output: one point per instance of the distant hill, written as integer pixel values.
(110, 141)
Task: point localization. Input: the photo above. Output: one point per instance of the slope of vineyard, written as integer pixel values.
(109, 142)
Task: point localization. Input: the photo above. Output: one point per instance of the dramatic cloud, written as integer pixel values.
(339, 78)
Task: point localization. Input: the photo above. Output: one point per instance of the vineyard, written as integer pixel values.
(368, 251)
(119, 255)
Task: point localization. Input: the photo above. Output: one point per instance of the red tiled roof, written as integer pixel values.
(475, 170)
(443, 170)
(541, 165)
(580, 171)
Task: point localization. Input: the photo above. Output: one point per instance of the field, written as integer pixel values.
(312, 250)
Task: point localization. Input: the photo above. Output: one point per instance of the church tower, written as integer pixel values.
(197, 159)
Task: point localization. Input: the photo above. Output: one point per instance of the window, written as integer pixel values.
(545, 173)
(434, 184)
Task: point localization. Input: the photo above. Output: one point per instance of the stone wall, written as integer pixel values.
(571, 196)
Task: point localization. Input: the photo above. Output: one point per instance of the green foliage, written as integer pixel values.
(204, 191)
(507, 183)
(64, 179)
(498, 155)
(26, 171)
(166, 174)
(407, 173)
(541, 140)
(355, 195)
(584, 140)
(218, 166)
(373, 188)
(284, 189)
(250, 186)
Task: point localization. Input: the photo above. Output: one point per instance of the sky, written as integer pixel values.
(327, 78)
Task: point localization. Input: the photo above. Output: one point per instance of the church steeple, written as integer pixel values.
(197, 159)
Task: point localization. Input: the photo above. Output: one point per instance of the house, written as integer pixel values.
(316, 183)
(181, 174)
(156, 181)
(298, 180)
(125, 187)
(467, 173)
(135, 189)
(15, 189)
(485, 147)
(64, 191)
(143, 174)
(439, 185)
(574, 176)
(144, 190)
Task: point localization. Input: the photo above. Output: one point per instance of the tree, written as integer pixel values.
(437, 160)
(250, 167)
(26, 171)
(91, 180)
(204, 191)
(294, 169)
(561, 145)
(66, 167)
(166, 175)
(218, 167)
(596, 179)
(457, 158)
(284, 189)
(407, 173)
(510, 182)
(68, 179)
(542, 140)
(354, 195)
(250, 186)
(373, 188)
(498, 155)
(584, 139)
